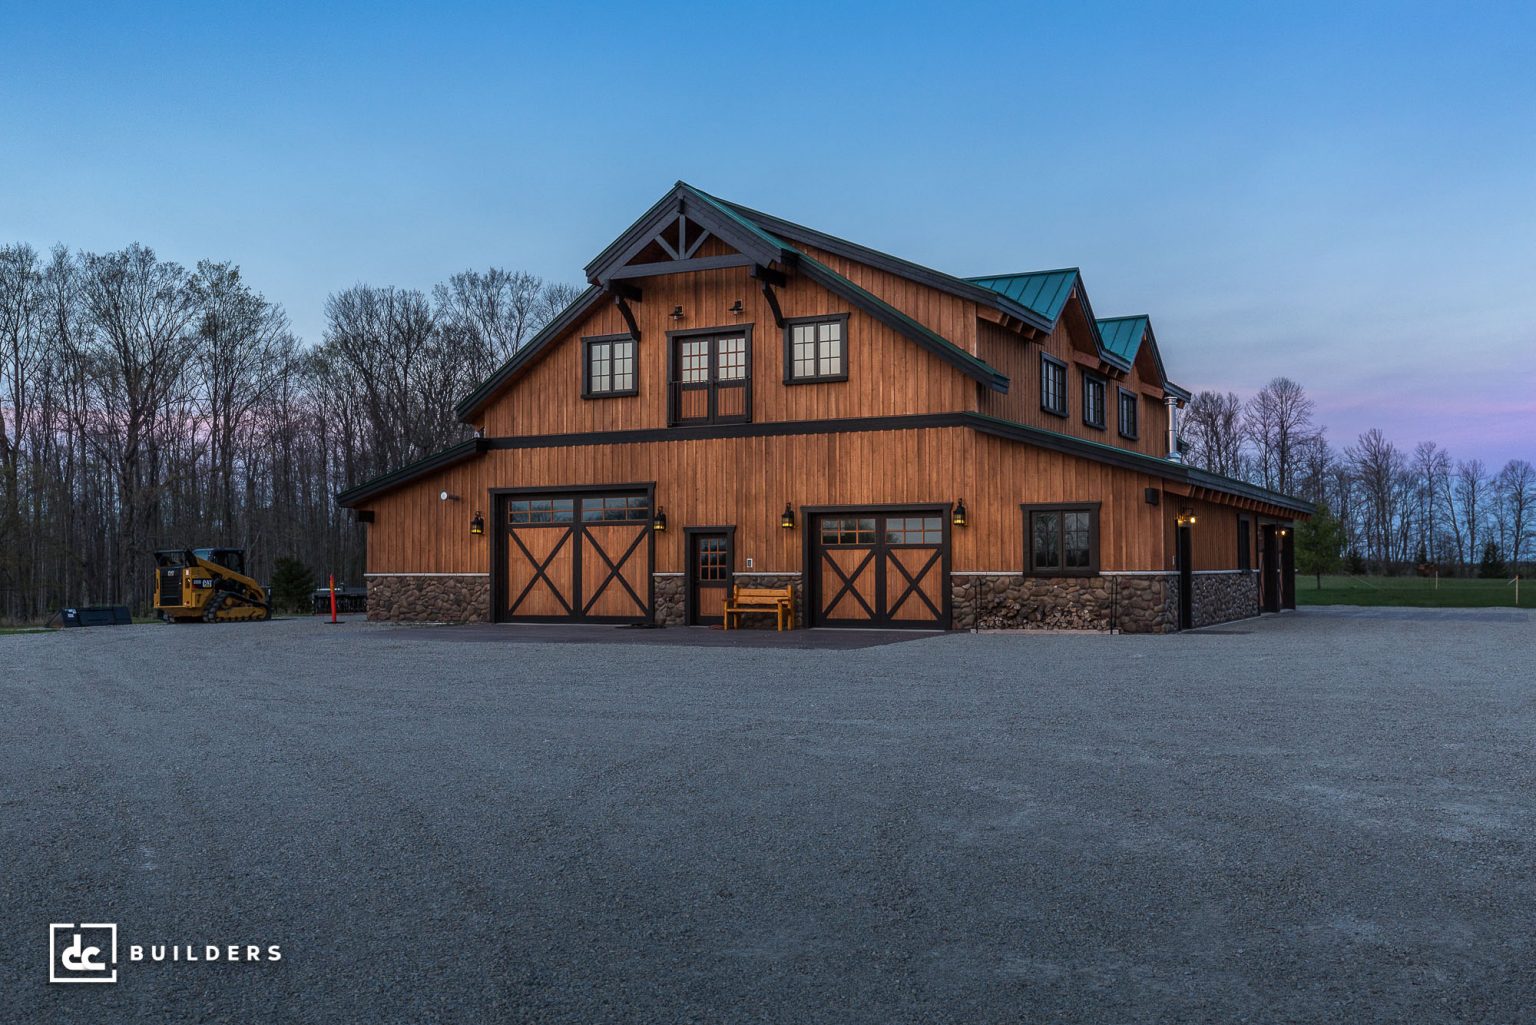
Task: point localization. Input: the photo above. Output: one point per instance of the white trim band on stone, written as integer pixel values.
(760, 573)
(426, 574)
(669, 574)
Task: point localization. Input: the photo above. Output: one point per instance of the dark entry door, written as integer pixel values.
(710, 564)
(582, 557)
(881, 569)
(1269, 568)
(1186, 579)
(1287, 562)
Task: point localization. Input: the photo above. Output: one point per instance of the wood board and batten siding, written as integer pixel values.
(887, 374)
(1020, 360)
(698, 482)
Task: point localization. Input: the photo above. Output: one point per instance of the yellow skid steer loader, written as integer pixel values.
(207, 584)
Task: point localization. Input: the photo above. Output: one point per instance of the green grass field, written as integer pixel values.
(1453, 592)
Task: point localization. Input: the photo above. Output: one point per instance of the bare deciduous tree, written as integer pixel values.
(1278, 419)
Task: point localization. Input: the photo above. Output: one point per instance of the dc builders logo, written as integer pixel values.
(87, 952)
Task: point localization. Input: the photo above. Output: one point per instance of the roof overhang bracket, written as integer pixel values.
(622, 302)
(768, 277)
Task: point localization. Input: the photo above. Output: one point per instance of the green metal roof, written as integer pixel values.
(1122, 335)
(1044, 291)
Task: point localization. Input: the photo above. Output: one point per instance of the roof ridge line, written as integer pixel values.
(1027, 274)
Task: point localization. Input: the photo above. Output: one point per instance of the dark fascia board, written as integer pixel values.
(1093, 326)
(451, 456)
(1177, 392)
(700, 208)
(1130, 460)
(892, 264)
(1216, 482)
(899, 322)
(994, 426)
(477, 399)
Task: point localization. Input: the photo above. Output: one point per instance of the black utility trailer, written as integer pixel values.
(348, 599)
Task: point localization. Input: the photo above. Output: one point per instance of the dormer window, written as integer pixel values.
(1053, 385)
(1129, 406)
(1093, 401)
(815, 349)
(609, 367)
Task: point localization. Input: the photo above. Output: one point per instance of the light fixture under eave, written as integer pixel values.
(958, 516)
(1187, 517)
(659, 521)
(477, 524)
(677, 313)
(737, 309)
(787, 518)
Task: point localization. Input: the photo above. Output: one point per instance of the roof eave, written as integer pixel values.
(482, 395)
(949, 283)
(384, 483)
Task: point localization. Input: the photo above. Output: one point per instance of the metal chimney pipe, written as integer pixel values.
(1173, 429)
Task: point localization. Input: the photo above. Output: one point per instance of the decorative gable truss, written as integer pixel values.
(688, 230)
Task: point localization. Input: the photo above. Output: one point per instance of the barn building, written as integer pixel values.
(737, 399)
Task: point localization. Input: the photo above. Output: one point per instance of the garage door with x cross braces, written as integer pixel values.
(575, 557)
(880, 569)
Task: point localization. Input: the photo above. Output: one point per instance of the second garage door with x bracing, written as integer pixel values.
(575, 557)
(880, 569)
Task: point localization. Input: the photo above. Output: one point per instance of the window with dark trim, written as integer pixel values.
(1061, 540)
(609, 367)
(1129, 406)
(816, 349)
(1093, 401)
(1053, 385)
(1244, 545)
(710, 376)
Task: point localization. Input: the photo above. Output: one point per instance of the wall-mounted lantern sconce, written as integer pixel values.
(1283, 532)
(677, 313)
(787, 519)
(477, 524)
(737, 309)
(1186, 517)
(659, 521)
(958, 517)
(447, 496)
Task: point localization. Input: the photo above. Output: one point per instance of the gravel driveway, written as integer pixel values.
(1323, 817)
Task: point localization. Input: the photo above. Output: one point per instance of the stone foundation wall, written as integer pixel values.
(1011, 601)
(427, 599)
(670, 592)
(1223, 597)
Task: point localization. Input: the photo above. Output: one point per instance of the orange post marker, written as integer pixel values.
(333, 597)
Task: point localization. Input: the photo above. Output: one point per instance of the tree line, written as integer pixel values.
(146, 405)
(1397, 509)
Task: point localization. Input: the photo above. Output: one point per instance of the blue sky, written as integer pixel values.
(1345, 193)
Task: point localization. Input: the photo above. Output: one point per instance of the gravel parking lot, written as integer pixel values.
(1317, 817)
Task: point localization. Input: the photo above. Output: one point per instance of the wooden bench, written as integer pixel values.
(778, 600)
